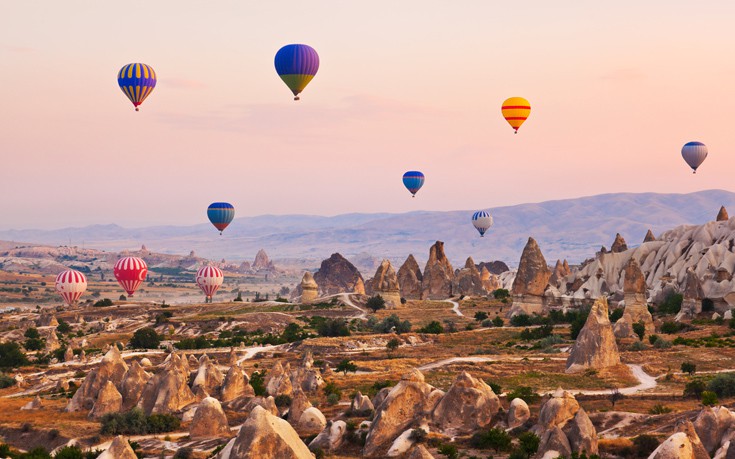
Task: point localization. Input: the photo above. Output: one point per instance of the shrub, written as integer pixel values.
(688, 367)
(639, 328)
(616, 314)
(644, 445)
(495, 438)
(501, 294)
(448, 450)
(529, 443)
(6, 381)
(391, 324)
(480, 316)
(346, 366)
(434, 327)
(498, 321)
(393, 344)
(11, 356)
(652, 339)
(659, 409)
(145, 338)
(331, 388)
(123, 298)
(662, 344)
(521, 320)
(723, 385)
(543, 331)
(672, 304)
(525, 393)
(283, 400)
(578, 323)
(257, 380)
(63, 327)
(709, 398)
(418, 435)
(670, 327)
(695, 388)
(375, 302)
(135, 422)
(638, 346)
(333, 327)
(495, 387)
(332, 399)
(102, 303)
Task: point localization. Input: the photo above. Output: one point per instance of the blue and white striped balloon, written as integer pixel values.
(482, 221)
(694, 153)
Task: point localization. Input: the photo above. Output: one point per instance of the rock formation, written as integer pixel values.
(595, 346)
(619, 244)
(406, 404)
(561, 270)
(410, 279)
(68, 354)
(265, 436)
(722, 215)
(279, 381)
(385, 284)
(636, 309)
(311, 421)
(132, 385)
(209, 421)
(208, 376)
(564, 427)
(111, 368)
(299, 403)
(236, 385)
(420, 452)
(305, 376)
(711, 426)
(490, 281)
(496, 267)
(309, 288)
(676, 446)
(168, 390)
(337, 275)
(468, 405)
(467, 281)
(518, 413)
(687, 428)
(108, 401)
(693, 294)
(649, 236)
(35, 404)
(262, 262)
(438, 275)
(331, 437)
(361, 404)
(531, 280)
(119, 449)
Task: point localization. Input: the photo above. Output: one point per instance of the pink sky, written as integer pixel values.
(616, 88)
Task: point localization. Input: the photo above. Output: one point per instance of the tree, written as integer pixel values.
(346, 365)
(390, 324)
(529, 443)
(480, 316)
(333, 327)
(615, 396)
(709, 398)
(11, 356)
(63, 327)
(501, 294)
(392, 345)
(688, 367)
(239, 297)
(639, 328)
(434, 327)
(375, 302)
(496, 438)
(498, 321)
(145, 338)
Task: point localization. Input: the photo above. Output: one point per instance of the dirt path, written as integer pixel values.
(346, 298)
(455, 307)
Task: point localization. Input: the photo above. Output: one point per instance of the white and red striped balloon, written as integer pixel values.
(209, 279)
(71, 284)
(130, 272)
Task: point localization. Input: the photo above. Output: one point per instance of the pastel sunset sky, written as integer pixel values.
(616, 89)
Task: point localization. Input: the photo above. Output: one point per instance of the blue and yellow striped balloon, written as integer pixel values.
(297, 65)
(137, 82)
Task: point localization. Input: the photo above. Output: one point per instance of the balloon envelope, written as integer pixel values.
(220, 214)
(694, 153)
(209, 279)
(515, 111)
(70, 284)
(413, 180)
(296, 65)
(482, 221)
(130, 272)
(137, 82)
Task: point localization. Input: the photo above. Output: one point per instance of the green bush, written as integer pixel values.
(659, 409)
(331, 388)
(501, 294)
(418, 435)
(11, 356)
(639, 328)
(670, 327)
(63, 327)
(708, 305)
(709, 398)
(135, 422)
(375, 303)
(498, 321)
(434, 327)
(480, 316)
(184, 453)
(257, 380)
(392, 323)
(497, 439)
(448, 450)
(332, 399)
(283, 400)
(644, 445)
(616, 314)
(145, 338)
(688, 367)
(102, 303)
(723, 385)
(525, 393)
(662, 344)
(497, 389)
(6, 381)
(333, 327)
(672, 304)
(694, 388)
(521, 320)
(529, 334)
(529, 443)
(346, 366)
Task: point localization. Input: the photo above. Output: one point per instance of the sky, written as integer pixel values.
(616, 89)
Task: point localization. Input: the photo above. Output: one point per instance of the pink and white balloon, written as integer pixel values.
(71, 285)
(209, 279)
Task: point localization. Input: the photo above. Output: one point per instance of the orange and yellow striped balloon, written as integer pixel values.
(515, 111)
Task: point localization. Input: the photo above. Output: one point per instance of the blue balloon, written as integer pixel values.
(221, 214)
(296, 65)
(413, 180)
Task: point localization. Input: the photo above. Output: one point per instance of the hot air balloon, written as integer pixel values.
(137, 82)
(130, 272)
(482, 221)
(413, 180)
(515, 111)
(209, 279)
(297, 65)
(220, 214)
(71, 284)
(694, 153)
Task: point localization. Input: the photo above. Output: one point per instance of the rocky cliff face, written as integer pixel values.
(385, 284)
(636, 309)
(531, 281)
(467, 281)
(595, 346)
(337, 275)
(438, 275)
(410, 279)
(619, 244)
(262, 262)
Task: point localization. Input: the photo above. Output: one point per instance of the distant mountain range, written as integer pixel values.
(571, 228)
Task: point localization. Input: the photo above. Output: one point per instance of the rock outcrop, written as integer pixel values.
(698, 450)
(262, 262)
(168, 390)
(468, 281)
(208, 376)
(309, 288)
(311, 421)
(385, 284)
(420, 452)
(407, 404)
(337, 275)
(209, 421)
(111, 368)
(595, 346)
(561, 270)
(279, 381)
(35, 404)
(331, 437)
(712, 425)
(619, 244)
(299, 403)
(530, 281)
(693, 294)
(490, 281)
(564, 427)
(676, 446)
(108, 401)
(636, 308)
(236, 385)
(722, 215)
(119, 449)
(265, 436)
(468, 405)
(438, 275)
(361, 404)
(410, 279)
(518, 413)
(132, 385)
(649, 236)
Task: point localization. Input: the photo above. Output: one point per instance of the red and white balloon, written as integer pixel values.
(209, 279)
(71, 285)
(130, 272)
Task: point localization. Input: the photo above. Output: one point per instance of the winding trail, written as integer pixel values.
(346, 298)
(455, 307)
